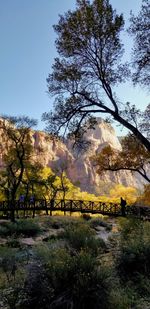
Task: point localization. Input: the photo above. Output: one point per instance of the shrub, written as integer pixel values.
(91, 282)
(57, 222)
(121, 298)
(37, 290)
(10, 297)
(83, 237)
(75, 279)
(86, 217)
(58, 263)
(143, 286)
(4, 232)
(26, 227)
(9, 262)
(99, 222)
(134, 254)
(133, 259)
(13, 243)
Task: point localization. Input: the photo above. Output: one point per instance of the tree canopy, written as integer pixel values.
(140, 30)
(87, 69)
(17, 154)
(133, 157)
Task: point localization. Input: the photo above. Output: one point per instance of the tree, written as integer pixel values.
(145, 197)
(127, 193)
(61, 169)
(32, 181)
(48, 183)
(140, 30)
(133, 157)
(18, 150)
(88, 68)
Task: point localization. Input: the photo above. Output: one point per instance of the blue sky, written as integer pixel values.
(27, 51)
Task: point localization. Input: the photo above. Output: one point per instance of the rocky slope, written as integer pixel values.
(79, 167)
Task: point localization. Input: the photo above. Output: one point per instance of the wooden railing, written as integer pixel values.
(96, 207)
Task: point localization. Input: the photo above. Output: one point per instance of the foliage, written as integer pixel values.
(140, 30)
(13, 242)
(32, 182)
(2, 196)
(134, 256)
(16, 155)
(94, 222)
(59, 221)
(89, 66)
(11, 265)
(127, 193)
(145, 197)
(83, 237)
(76, 273)
(8, 261)
(133, 157)
(76, 279)
(121, 297)
(38, 292)
(19, 150)
(86, 217)
(24, 227)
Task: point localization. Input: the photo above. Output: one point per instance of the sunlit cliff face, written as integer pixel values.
(79, 169)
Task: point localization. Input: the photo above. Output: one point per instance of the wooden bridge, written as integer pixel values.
(93, 207)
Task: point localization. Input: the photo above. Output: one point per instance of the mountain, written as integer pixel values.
(78, 166)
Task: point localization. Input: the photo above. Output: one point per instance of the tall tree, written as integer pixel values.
(32, 180)
(61, 169)
(88, 68)
(140, 30)
(17, 153)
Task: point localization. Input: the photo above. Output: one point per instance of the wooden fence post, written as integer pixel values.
(33, 215)
(51, 206)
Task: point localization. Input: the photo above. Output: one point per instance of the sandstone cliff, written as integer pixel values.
(79, 168)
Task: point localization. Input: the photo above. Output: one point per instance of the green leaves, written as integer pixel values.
(140, 30)
(89, 66)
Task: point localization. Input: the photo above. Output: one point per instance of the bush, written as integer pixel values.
(86, 217)
(13, 243)
(83, 237)
(56, 260)
(134, 258)
(57, 222)
(38, 292)
(91, 282)
(77, 280)
(134, 254)
(99, 222)
(121, 298)
(26, 227)
(10, 297)
(143, 286)
(9, 262)
(4, 231)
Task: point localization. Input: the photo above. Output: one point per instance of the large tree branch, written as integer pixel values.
(131, 169)
(133, 129)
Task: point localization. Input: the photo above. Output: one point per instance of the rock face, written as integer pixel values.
(79, 167)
